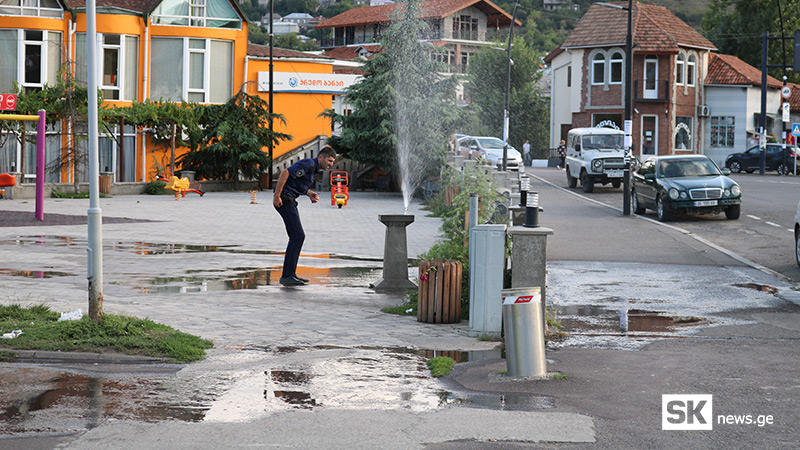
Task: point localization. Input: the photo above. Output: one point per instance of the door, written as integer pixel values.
(644, 183)
(649, 137)
(651, 77)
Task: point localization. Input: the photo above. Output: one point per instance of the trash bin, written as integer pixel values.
(105, 182)
(524, 332)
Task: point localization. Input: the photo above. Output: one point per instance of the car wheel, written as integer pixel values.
(571, 181)
(615, 184)
(586, 183)
(638, 208)
(733, 212)
(663, 212)
(797, 246)
(736, 166)
(782, 169)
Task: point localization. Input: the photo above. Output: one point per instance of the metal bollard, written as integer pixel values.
(532, 210)
(524, 332)
(524, 187)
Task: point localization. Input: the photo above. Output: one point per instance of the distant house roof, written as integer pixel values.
(655, 29)
(431, 9)
(262, 51)
(728, 69)
(298, 16)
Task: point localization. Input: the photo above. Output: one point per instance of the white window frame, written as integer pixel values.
(187, 68)
(186, 88)
(44, 63)
(101, 51)
(599, 58)
(691, 69)
(38, 10)
(194, 20)
(680, 69)
(614, 61)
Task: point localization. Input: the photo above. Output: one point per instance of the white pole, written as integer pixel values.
(95, 217)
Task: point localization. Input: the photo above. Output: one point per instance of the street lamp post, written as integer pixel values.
(626, 174)
(508, 87)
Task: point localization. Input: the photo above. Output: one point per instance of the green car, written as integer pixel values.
(690, 184)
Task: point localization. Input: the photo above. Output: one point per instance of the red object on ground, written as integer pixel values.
(340, 193)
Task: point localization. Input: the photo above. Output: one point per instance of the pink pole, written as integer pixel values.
(40, 166)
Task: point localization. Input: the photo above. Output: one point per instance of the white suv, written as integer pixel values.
(595, 155)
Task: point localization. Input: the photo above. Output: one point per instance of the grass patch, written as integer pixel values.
(441, 365)
(488, 338)
(412, 300)
(121, 334)
(558, 376)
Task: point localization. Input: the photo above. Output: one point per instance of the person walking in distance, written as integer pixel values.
(526, 153)
(562, 154)
(294, 182)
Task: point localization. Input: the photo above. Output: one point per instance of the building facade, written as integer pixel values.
(670, 61)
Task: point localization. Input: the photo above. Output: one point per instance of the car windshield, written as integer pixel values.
(490, 143)
(675, 168)
(605, 141)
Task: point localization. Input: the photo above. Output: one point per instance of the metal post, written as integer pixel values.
(40, 140)
(626, 174)
(762, 141)
(271, 13)
(95, 218)
(508, 88)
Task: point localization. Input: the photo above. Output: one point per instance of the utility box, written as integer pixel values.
(487, 251)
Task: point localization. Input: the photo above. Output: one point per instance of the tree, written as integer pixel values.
(529, 111)
(286, 7)
(334, 9)
(232, 139)
(403, 101)
(66, 104)
(735, 28)
(291, 41)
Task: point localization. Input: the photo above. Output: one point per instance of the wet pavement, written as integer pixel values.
(321, 366)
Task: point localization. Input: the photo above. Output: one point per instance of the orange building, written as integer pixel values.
(170, 50)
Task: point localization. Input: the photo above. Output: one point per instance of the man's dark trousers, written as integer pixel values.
(291, 218)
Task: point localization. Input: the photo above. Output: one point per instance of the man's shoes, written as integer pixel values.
(291, 281)
(304, 280)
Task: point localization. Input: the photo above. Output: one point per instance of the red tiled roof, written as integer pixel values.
(431, 9)
(655, 29)
(263, 51)
(794, 100)
(350, 53)
(728, 69)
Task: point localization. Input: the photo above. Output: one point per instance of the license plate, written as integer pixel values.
(706, 203)
(614, 174)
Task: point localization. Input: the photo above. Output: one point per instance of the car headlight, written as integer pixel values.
(736, 190)
(727, 193)
(683, 195)
(597, 164)
(674, 194)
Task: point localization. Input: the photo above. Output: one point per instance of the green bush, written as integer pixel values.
(441, 365)
(156, 188)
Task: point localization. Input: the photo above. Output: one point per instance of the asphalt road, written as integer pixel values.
(763, 234)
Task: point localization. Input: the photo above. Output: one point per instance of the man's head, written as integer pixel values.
(326, 157)
(563, 142)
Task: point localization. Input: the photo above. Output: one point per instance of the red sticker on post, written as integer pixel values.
(518, 299)
(8, 102)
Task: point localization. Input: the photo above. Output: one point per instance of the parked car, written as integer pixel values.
(777, 158)
(490, 149)
(797, 235)
(690, 184)
(595, 155)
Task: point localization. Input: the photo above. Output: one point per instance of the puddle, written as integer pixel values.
(253, 278)
(148, 248)
(758, 287)
(39, 401)
(34, 273)
(600, 321)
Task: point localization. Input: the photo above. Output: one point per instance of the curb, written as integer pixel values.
(85, 357)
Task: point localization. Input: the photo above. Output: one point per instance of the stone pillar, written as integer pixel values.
(529, 258)
(395, 253)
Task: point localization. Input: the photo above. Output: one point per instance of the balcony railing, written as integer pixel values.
(659, 92)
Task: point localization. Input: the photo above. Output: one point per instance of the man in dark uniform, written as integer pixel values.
(292, 183)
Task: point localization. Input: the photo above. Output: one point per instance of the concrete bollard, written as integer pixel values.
(529, 258)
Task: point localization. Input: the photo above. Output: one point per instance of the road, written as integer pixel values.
(763, 234)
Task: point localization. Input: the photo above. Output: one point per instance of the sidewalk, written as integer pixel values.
(321, 367)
